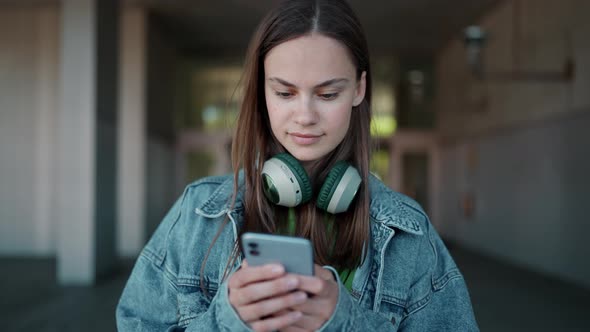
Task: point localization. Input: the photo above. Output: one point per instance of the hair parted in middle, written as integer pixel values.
(253, 141)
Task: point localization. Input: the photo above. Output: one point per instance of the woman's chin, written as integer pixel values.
(306, 157)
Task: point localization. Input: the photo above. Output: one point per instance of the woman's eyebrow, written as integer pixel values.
(321, 85)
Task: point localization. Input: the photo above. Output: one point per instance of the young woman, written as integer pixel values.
(380, 265)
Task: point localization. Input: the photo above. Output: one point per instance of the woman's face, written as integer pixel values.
(310, 88)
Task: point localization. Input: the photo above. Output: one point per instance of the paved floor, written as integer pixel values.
(505, 298)
(508, 298)
(30, 300)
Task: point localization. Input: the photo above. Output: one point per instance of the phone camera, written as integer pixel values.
(253, 245)
(254, 252)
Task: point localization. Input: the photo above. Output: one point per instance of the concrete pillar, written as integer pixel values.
(87, 140)
(133, 134)
(46, 128)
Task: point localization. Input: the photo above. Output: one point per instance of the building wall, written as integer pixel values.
(29, 84)
(162, 62)
(518, 150)
(160, 193)
(28, 107)
(133, 134)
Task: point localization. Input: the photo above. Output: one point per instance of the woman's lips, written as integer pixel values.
(305, 139)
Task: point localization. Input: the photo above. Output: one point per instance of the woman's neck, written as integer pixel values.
(308, 166)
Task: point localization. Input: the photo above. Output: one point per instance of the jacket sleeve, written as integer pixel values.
(457, 314)
(149, 301)
(443, 303)
(449, 309)
(447, 306)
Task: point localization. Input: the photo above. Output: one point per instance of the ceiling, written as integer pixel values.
(392, 26)
(224, 26)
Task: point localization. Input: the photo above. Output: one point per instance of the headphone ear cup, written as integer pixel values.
(339, 188)
(285, 181)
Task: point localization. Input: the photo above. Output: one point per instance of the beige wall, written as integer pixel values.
(29, 91)
(520, 149)
(162, 87)
(133, 134)
(467, 106)
(28, 107)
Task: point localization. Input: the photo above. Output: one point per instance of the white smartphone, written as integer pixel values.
(294, 253)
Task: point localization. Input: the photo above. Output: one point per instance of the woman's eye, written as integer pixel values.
(329, 96)
(283, 94)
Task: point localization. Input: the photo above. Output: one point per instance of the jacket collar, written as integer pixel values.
(219, 202)
(387, 207)
(393, 209)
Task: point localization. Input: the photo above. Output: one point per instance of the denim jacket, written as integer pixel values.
(407, 281)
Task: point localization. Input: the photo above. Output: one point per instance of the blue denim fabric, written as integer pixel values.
(407, 282)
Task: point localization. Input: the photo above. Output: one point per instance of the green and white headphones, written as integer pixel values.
(285, 183)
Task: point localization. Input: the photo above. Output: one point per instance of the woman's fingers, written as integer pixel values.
(276, 322)
(312, 285)
(261, 290)
(315, 307)
(276, 306)
(319, 284)
(306, 323)
(320, 306)
(315, 312)
(269, 299)
(247, 275)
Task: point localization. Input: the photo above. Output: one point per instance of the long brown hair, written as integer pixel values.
(253, 142)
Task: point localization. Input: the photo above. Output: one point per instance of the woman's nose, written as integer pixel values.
(306, 113)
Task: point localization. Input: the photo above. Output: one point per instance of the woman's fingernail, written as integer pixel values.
(300, 297)
(295, 315)
(276, 269)
(292, 282)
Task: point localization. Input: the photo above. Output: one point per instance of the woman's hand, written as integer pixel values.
(323, 291)
(262, 294)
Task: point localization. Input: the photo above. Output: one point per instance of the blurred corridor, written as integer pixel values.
(109, 108)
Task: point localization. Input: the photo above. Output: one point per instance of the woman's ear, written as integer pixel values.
(359, 93)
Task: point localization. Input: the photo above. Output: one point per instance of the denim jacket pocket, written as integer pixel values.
(393, 310)
(192, 301)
